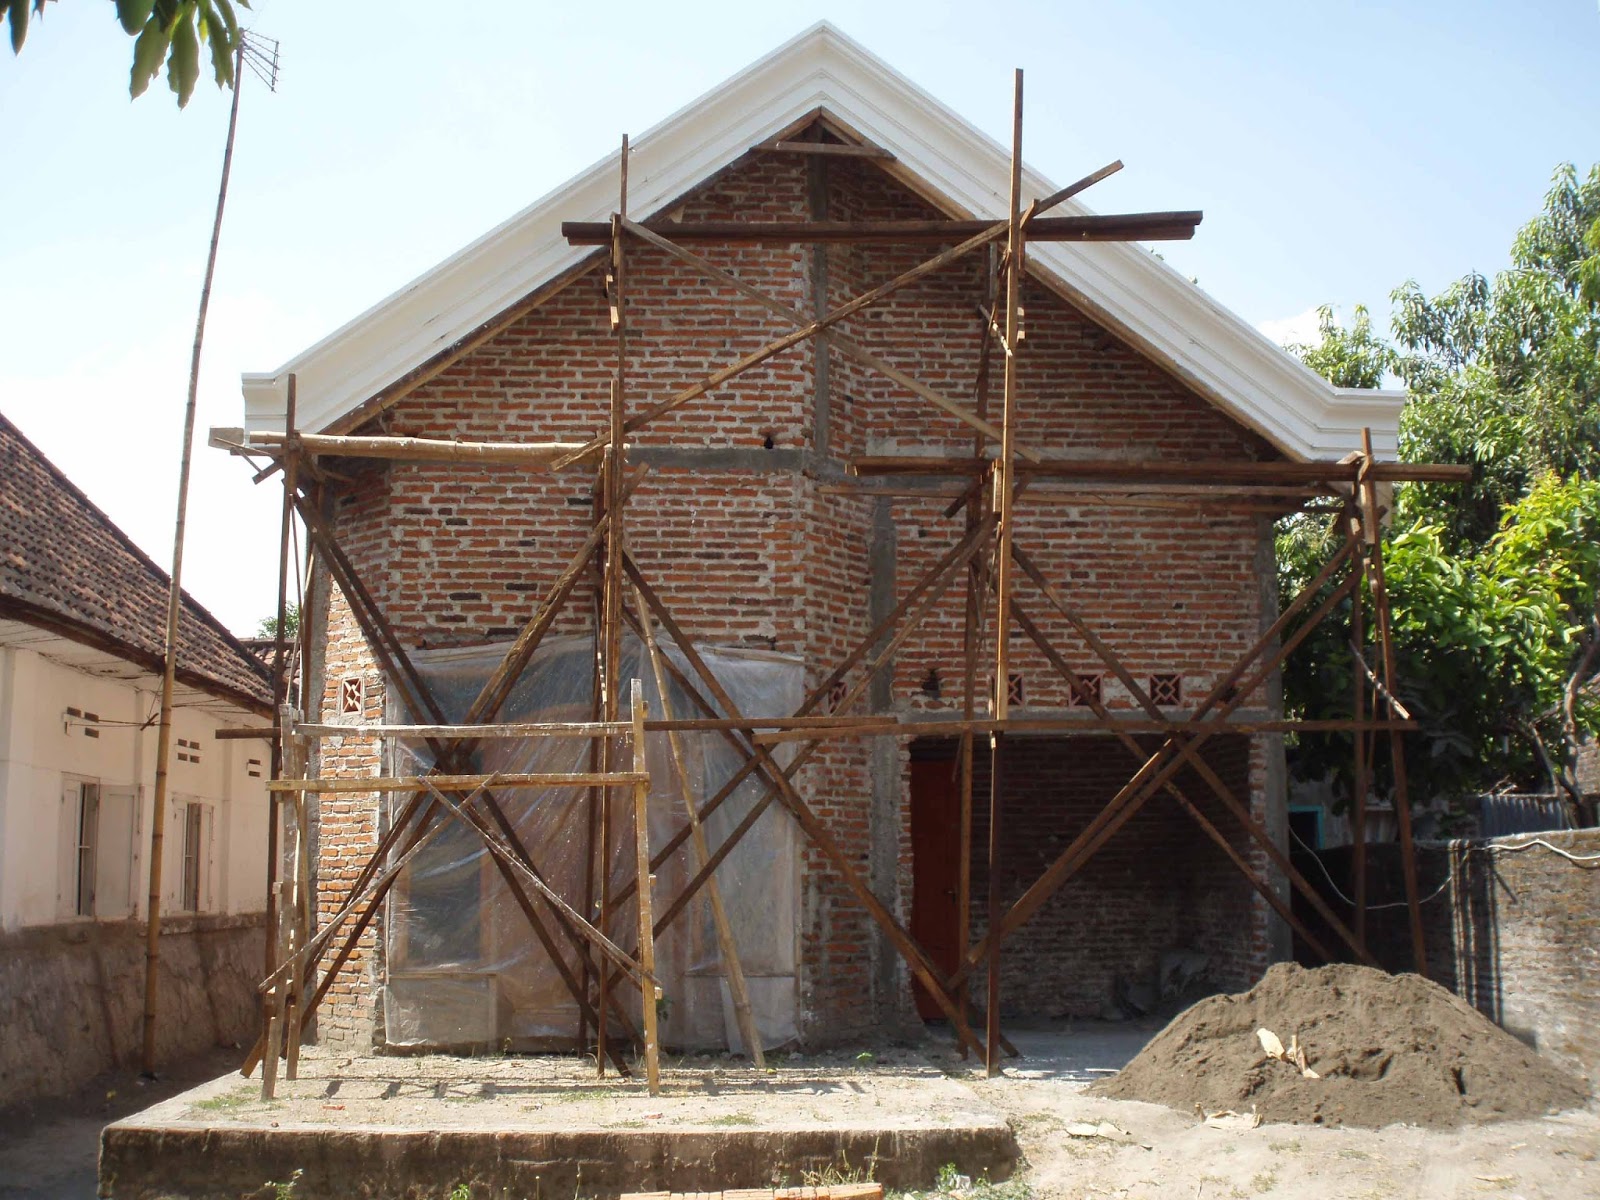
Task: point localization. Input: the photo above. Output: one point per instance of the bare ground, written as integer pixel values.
(1151, 1151)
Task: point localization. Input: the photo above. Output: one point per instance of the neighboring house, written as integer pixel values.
(761, 542)
(82, 618)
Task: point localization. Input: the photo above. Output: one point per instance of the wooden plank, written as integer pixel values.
(1121, 227)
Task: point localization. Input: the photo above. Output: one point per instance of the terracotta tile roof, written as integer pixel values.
(65, 565)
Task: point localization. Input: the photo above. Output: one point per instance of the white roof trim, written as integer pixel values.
(1122, 284)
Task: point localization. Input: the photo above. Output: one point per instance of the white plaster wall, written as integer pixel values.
(40, 753)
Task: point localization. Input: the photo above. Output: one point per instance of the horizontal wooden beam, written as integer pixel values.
(1155, 471)
(266, 734)
(1070, 725)
(1124, 227)
(410, 449)
(570, 729)
(457, 783)
(559, 729)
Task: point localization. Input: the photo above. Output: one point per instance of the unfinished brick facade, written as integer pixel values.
(754, 536)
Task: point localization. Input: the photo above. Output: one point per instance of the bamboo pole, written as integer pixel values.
(1358, 782)
(169, 656)
(527, 455)
(649, 992)
(1004, 494)
(609, 633)
(1402, 797)
(727, 945)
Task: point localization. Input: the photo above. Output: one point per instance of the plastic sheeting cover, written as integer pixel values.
(463, 967)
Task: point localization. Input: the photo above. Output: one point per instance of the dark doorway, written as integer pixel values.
(935, 867)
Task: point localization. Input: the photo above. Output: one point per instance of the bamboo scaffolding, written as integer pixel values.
(990, 505)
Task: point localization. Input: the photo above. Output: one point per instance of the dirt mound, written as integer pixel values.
(1385, 1048)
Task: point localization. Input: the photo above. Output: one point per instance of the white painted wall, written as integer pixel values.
(43, 756)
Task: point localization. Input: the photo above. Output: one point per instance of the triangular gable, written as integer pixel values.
(957, 167)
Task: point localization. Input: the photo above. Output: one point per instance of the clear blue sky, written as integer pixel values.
(1336, 148)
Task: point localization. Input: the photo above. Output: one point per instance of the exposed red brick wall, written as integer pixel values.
(783, 559)
(1158, 884)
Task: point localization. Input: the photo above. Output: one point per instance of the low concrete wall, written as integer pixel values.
(72, 997)
(1516, 932)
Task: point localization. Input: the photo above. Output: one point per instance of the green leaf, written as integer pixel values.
(148, 54)
(183, 62)
(134, 14)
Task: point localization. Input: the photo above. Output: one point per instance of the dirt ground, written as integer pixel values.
(1136, 1151)
(48, 1150)
(1170, 1154)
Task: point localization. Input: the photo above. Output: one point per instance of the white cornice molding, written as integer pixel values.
(958, 166)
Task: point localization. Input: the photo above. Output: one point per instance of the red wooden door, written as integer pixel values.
(935, 868)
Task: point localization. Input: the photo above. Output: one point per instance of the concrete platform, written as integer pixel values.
(547, 1127)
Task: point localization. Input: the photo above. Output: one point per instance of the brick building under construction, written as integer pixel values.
(583, 447)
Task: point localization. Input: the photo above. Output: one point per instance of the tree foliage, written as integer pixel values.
(1495, 586)
(1505, 374)
(167, 32)
(267, 627)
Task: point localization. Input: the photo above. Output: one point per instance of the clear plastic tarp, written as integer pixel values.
(463, 968)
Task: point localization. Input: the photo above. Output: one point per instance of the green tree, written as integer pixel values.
(170, 32)
(1505, 374)
(268, 627)
(1494, 584)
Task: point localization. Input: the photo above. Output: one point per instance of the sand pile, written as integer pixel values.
(1384, 1048)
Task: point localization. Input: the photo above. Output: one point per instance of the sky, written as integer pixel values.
(1337, 150)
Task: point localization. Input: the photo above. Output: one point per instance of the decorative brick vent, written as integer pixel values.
(1166, 689)
(1016, 691)
(1088, 691)
(188, 751)
(351, 696)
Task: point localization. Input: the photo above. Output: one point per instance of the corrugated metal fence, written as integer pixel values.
(1519, 813)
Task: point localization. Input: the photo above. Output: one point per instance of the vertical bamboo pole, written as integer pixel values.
(1358, 682)
(1402, 796)
(291, 466)
(649, 994)
(1004, 487)
(596, 800)
(610, 632)
(158, 815)
(971, 651)
(295, 748)
(727, 946)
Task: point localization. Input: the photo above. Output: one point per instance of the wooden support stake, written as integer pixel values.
(1402, 796)
(649, 993)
